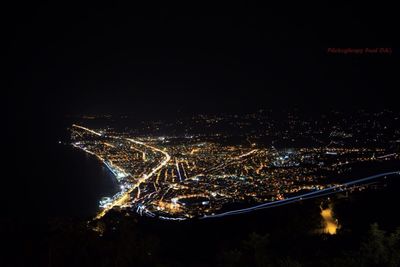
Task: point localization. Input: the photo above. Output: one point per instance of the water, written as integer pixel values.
(48, 179)
(80, 183)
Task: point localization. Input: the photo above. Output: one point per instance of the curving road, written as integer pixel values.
(314, 194)
(125, 197)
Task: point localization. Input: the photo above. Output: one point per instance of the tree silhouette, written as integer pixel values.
(232, 258)
(380, 249)
(257, 245)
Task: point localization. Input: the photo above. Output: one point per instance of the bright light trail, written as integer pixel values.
(314, 194)
(388, 155)
(87, 129)
(179, 174)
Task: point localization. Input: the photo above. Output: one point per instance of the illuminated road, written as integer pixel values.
(314, 194)
(158, 184)
(87, 129)
(125, 197)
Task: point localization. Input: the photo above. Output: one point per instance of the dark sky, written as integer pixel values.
(94, 58)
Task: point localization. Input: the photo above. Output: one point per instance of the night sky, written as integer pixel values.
(108, 58)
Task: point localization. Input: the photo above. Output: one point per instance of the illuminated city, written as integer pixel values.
(199, 176)
(143, 134)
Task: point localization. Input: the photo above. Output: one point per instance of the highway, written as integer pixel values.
(174, 182)
(87, 129)
(314, 194)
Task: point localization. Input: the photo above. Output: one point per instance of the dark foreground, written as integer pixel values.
(285, 236)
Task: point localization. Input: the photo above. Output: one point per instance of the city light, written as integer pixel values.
(168, 177)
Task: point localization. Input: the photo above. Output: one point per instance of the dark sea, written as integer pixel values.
(80, 181)
(49, 178)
